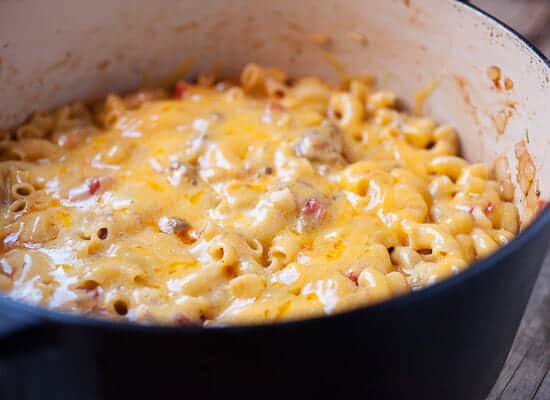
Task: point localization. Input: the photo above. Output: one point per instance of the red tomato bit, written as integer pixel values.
(180, 89)
(314, 210)
(489, 207)
(352, 275)
(183, 320)
(93, 186)
(540, 206)
(275, 106)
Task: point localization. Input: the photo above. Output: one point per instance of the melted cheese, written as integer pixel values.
(232, 206)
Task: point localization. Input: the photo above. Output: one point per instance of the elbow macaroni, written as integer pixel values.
(241, 203)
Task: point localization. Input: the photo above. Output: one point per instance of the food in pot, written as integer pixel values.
(226, 203)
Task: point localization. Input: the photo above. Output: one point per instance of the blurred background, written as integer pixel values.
(531, 18)
(526, 374)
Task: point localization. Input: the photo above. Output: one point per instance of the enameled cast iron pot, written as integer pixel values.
(446, 342)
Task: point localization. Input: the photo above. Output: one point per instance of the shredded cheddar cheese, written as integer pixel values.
(231, 204)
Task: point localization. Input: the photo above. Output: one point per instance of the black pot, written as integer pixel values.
(445, 342)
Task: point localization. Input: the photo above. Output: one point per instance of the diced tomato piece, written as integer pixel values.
(314, 209)
(93, 186)
(180, 89)
(275, 106)
(352, 275)
(541, 205)
(183, 320)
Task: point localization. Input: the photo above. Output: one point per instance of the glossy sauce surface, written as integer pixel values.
(239, 203)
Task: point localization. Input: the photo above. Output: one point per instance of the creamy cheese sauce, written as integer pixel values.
(243, 203)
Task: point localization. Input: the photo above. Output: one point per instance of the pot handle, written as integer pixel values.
(22, 334)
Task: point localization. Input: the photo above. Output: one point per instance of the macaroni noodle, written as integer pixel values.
(246, 203)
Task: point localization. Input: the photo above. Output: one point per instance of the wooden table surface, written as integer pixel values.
(526, 374)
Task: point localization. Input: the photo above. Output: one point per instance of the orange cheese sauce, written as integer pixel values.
(244, 203)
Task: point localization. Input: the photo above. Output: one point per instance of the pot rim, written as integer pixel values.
(50, 317)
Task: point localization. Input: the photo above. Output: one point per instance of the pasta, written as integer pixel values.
(235, 203)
